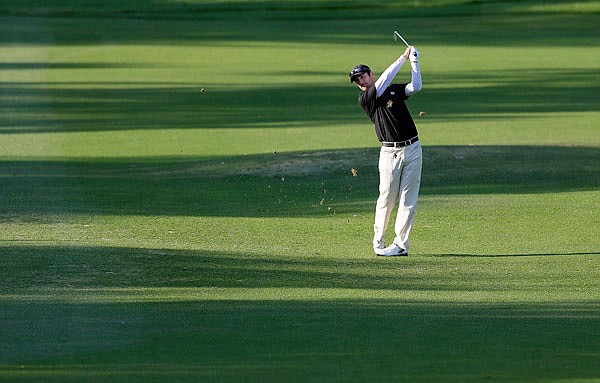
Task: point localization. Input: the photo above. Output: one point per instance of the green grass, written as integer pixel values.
(151, 232)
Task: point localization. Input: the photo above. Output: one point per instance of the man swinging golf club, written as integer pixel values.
(400, 157)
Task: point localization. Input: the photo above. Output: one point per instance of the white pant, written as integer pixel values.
(399, 177)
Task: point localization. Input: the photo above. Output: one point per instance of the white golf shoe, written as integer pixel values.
(392, 250)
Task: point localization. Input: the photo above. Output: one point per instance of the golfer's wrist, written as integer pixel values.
(401, 60)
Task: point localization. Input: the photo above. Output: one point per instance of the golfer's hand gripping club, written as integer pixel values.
(414, 54)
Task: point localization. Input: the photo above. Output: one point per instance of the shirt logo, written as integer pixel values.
(392, 93)
(390, 103)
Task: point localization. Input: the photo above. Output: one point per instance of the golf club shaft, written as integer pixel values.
(401, 38)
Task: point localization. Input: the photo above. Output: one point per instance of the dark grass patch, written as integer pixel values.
(283, 184)
(277, 341)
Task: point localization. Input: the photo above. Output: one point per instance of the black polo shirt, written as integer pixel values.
(393, 122)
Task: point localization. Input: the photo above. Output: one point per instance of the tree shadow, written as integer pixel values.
(106, 313)
(104, 106)
(44, 269)
(45, 272)
(73, 107)
(464, 23)
(277, 341)
(312, 183)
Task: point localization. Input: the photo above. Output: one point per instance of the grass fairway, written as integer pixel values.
(152, 232)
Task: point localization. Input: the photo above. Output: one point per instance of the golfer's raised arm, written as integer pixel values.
(388, 75)
(416, 84)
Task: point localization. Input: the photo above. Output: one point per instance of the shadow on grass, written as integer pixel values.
(279, 341)
(46, 268)
(64, 317)
(515, 255)
(49, 272)
(36, 107)
(82, 272)
(288, 184)
(331, 22)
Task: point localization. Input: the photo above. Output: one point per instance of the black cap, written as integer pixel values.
(358, 70)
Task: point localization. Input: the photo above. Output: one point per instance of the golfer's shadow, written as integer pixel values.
(513, 255)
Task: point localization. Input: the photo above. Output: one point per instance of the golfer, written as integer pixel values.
(400, 158)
